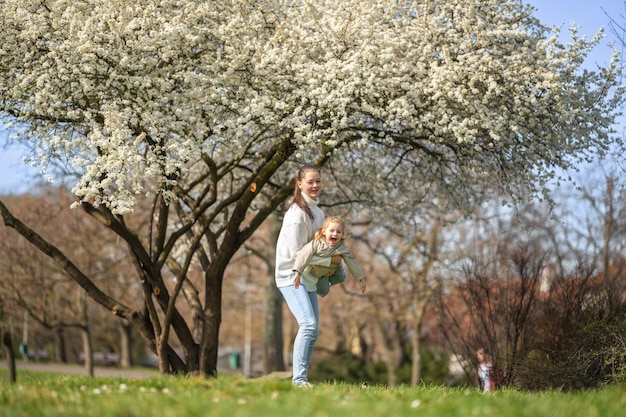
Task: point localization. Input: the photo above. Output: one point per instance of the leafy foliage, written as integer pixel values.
(449, 93)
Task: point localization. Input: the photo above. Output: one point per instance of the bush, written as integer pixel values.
(346, 367)
(587, 355)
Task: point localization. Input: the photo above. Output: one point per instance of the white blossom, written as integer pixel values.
(131, 95)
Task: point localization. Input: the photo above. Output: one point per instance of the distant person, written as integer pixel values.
(484, 371)
(328, 242)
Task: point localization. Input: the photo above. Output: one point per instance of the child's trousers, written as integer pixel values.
(324, 283)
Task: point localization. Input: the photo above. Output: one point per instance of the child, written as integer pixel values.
(484, 371)
(328, 241)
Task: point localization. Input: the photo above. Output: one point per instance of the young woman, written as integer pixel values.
(301, 221)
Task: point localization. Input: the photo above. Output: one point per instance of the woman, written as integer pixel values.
(301, 221)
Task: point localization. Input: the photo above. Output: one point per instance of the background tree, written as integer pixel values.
(403, 285)
(39, 287)
(583, 340)
(617, 26)
(544, 295)
(495, 303)
(7, 343)
(601, 231)
(208, 107)
(264, 246)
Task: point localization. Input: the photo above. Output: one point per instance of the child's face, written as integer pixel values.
(333, 233)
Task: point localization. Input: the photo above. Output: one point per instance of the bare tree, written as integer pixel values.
(273, 301)
(601, 231)
(401, 262)
(583, 343)
(40, 287)
(543, 290)
(7, 342)
(495, 302)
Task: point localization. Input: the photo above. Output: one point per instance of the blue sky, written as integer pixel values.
(588, 14)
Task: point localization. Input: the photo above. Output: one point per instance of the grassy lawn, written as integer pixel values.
(45, 394)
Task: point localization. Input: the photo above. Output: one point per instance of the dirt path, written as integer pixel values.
(75, 369)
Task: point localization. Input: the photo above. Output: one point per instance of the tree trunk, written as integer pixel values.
(273, 307)
(273, 335)
(85, 334)
(391, 349)
(59, 345)
(7, 341)
(416, 363)
(355, 342)
(88, 350)
(10, 353)
(125, 342)
(209, 345)
(212, 321)
(289, 334)
(416, 342)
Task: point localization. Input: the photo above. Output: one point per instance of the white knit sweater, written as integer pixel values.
(297, 230)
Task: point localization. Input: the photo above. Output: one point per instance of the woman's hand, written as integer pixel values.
(296, 280)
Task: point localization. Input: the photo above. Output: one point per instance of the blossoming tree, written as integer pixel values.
(208, 107)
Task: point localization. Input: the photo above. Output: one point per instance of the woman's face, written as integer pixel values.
(311, 184)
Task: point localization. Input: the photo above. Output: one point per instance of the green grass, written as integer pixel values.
(44, 394)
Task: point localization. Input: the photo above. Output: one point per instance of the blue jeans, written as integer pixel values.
(303, 305)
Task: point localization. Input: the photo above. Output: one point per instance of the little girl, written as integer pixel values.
(328, 241)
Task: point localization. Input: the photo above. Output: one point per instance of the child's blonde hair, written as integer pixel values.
(319, 233)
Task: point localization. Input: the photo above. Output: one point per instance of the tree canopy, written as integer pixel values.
(211, 105)
(129, 91)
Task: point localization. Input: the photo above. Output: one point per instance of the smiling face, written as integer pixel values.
(333, 233)
(311, 184)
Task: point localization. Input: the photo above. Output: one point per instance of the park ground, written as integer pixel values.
(76, 369)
